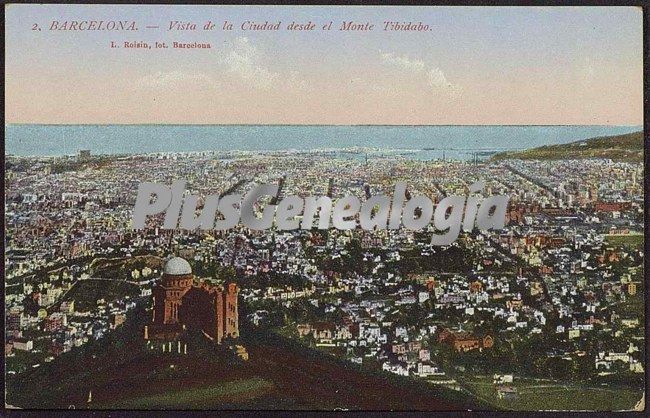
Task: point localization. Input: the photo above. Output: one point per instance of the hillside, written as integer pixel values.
(627, 147)
(281, 374)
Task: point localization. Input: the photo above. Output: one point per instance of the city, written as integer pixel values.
(552, 302)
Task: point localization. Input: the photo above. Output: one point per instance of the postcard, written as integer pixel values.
(324, 208)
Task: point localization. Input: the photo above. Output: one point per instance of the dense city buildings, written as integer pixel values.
(556, 295)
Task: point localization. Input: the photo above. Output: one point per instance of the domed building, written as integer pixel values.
(177, 266)
(180, 304)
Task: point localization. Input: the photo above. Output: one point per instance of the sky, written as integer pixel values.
(475, 66)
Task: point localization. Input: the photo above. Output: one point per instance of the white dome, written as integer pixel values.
(177, 266)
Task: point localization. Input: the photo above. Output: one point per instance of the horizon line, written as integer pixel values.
(303, 124)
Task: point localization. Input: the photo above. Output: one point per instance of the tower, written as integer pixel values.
(232, 317)
(168, 296)
(227, 312)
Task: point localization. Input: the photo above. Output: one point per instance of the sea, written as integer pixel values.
(416, 142)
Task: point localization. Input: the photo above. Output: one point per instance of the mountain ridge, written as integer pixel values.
(622, 148)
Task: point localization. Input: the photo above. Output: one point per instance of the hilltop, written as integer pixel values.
(627, 147)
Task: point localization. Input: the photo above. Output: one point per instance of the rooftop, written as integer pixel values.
(177, 266)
